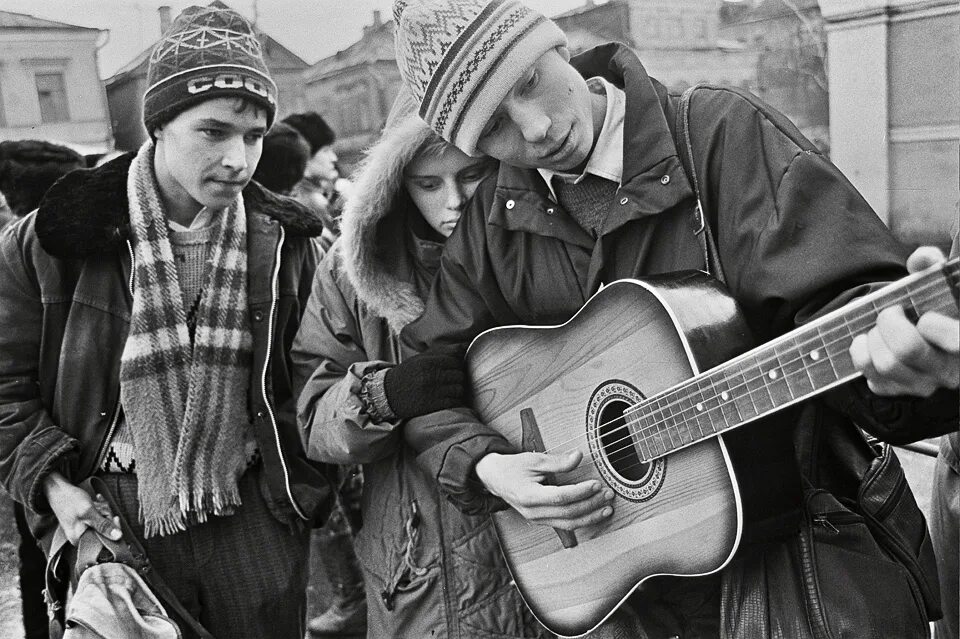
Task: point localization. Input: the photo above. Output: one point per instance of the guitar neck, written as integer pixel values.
(797, 366)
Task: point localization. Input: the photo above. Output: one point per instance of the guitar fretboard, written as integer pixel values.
(792, 368)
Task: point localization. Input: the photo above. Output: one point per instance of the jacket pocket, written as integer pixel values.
(893, 516)
(489, 606)
(852, 588)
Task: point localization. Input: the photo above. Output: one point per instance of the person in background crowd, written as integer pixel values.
(27, 169)
(591, 189)
(319, 187)
(145, 306)
(333, 543)
(284, 159)
(414, 545)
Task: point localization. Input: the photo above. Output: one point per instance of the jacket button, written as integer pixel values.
(623, 201)
(665, 180)
(258, 316)
(511, 204)
(550, 211)
(259, 414)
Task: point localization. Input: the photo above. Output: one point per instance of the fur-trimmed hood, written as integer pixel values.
(86, 212)
(372, 227)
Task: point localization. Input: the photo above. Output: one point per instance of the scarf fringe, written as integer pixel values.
(197, 508)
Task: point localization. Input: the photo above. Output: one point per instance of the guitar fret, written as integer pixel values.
(668, 420)
(756, 382)
(731, 414)
(658, 430)
(697, 400)
(796, 378)
(741, 392)
(643, 447)
(689, 417)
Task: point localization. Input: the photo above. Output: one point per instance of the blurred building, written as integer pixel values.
(681, 44)
(894, 73)
(789, 41)
(126, 87)
(593, 24)
(354, 89)
(49, 86)
(678, 41)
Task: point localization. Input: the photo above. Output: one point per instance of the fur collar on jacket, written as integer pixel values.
(372, 228)
(86, 211)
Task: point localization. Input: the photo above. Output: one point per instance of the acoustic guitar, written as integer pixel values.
(621, 381)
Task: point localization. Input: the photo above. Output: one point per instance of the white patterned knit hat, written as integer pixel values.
(459, 58)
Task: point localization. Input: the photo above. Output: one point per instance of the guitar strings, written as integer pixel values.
(659, 432)
(658, 428)
(760, 363)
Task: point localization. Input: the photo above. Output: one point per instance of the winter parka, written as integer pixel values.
(430, 570)
(65, 304)
(795, 239)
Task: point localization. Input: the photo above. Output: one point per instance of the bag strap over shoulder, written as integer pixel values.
(704, 232)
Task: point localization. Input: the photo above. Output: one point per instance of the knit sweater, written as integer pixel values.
(191, 252)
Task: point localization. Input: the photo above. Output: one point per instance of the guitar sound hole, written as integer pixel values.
(617, 444)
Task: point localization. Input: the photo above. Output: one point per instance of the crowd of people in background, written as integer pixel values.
(262, 357)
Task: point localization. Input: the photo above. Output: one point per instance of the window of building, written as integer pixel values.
(52, 94)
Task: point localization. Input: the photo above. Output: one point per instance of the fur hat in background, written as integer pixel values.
(314, 128)
(460, 58)
(206, 53)
(29, 167)
(284, 159)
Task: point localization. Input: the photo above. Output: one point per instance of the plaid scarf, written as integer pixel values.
(186, 406)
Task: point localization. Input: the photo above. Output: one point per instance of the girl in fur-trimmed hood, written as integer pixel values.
(429, 570)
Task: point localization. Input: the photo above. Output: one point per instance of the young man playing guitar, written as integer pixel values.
(592, 189)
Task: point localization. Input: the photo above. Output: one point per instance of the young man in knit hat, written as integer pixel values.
(146, 306)
(592, 190)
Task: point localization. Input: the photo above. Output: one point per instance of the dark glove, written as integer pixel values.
(423, 384)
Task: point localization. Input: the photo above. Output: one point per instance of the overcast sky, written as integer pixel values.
(313, 29)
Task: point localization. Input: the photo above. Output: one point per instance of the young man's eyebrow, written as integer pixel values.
(213, 122)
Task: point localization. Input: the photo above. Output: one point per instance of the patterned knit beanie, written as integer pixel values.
(206, 53)
(460, 58)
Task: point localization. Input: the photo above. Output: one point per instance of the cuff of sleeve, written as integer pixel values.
(903, 419)
(459, 479)
(374, 397)
(57, 457)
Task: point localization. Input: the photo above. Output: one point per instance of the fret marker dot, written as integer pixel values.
(814, 355)
(772, 374)
(724, 395)
(699, 406)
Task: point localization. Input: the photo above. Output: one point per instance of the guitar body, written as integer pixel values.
(677, 515)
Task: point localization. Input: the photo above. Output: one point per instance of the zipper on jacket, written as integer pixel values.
(831, 520)
(274, 297)
(105, 444)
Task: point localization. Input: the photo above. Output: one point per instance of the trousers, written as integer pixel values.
(242, 576)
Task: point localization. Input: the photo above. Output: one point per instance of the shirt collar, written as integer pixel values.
(607, 158)
(203, 219)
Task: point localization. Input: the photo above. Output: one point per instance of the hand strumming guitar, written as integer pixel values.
(518, 480)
